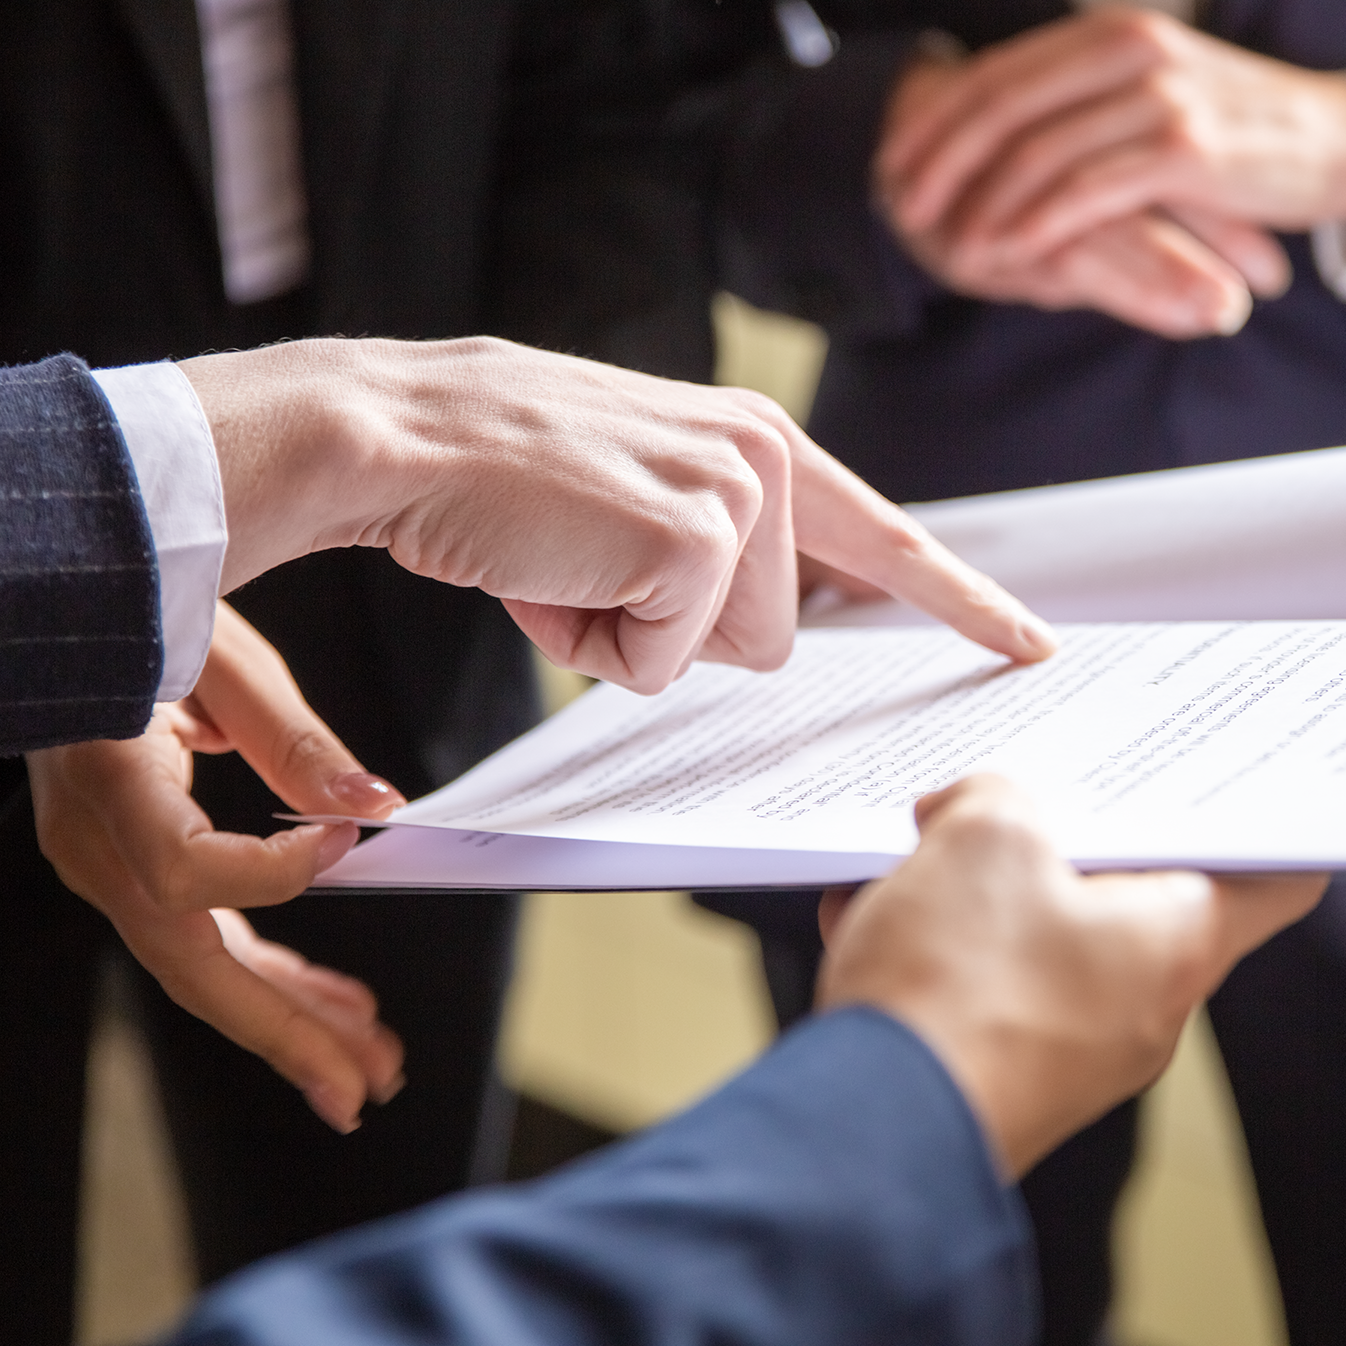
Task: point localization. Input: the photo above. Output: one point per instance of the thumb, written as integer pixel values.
(247, 692)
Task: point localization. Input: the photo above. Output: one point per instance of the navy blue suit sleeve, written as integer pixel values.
(80, 645)
(837, 1191)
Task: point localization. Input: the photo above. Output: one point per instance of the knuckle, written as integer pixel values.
(911, 539)
(753, 402)
(694, 540)
(299, 749)
(759, 430)
(1155, 1038)
(175, 890)
(974, 826)
(689, 536)
(1182, 137)
(712, 542)
(487, 346)
(1147, 32)
(770, 446)
(1189, 968)
(723, 484)
(741, 492)
(284, 1041)
(980, 824)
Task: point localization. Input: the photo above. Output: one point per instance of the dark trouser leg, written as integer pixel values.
(1071, 1196)
(786, 922)
(54, 944)
(1281, 1023)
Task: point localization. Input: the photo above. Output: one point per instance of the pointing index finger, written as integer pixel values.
(845, 523)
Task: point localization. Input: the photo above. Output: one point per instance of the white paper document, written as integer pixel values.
(1216, 744)
(1263, 538)
(1220, 745)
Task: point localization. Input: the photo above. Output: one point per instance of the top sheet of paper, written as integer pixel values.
(1219, 744)
(1262, 538)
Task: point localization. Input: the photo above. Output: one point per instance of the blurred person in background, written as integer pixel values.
(1051, 245)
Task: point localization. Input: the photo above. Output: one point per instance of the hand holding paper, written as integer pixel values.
(1242, 769)
(1049, 996)
(117, 821)
(631, 524)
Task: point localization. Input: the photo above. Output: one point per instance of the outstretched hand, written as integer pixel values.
(630, 524)
(1049, 996)
(117, 821)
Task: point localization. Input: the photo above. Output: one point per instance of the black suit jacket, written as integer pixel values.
(493, 165)
(109, 220)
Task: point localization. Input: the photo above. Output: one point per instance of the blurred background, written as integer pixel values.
(626, 1007)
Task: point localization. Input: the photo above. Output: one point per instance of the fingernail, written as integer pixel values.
(390, 1090)
(338, 840)
(1037, 636)
(1234, 313)
(326, 1101)
(1267, 277)
(363, 792)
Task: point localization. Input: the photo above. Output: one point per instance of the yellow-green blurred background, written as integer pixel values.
(625, 1007)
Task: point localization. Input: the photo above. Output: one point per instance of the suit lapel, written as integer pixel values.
(170, 43)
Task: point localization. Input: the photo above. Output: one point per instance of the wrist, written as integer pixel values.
(280, 419)
(1012, 1085)
(1331, 115)
(983, 1070)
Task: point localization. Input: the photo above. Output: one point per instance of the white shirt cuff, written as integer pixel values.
(173, 453)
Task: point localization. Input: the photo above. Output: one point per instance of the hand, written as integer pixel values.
(1094, 119)
(1049, 996)
(1181, 274)
(631, 524)
(117, 821)
(1146, 270)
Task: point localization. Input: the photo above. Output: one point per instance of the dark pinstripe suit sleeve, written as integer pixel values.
(80, 645)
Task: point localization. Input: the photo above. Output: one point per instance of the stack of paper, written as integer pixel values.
(1263, 538)
(1220, 743)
